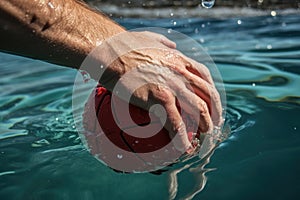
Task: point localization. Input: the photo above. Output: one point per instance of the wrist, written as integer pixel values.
(84, 28)
(80, 29)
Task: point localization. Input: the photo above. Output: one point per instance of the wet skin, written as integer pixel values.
(64, 32)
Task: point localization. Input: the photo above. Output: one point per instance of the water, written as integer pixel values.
(42, 156)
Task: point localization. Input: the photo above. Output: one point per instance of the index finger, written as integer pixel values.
(174, 123)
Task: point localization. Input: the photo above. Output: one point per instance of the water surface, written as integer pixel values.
(42, 156)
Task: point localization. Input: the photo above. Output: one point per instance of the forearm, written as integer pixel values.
(56, 31)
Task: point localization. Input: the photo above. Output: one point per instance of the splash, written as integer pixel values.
(208, 3)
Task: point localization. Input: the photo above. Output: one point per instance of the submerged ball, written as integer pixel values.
(107, 135)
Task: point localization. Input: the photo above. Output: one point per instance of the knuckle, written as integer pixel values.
(165, 95)
(206, 71)
(203, 109)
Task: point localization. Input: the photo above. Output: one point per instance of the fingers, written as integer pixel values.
(200, 79)
(209, 94)
(205, 91)
(162, 39)
(167, 42)
(197, 108)
(199, 70)
(174, 123)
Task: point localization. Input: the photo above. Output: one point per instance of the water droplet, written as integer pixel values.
(50, 5)
(295, 128)
(269, 46)
(169, 30)
(202, 40)
(260, 2)
(273, 13)
(208, 3)
(239, 21)
(98, 42)
(56, 118)
(174, 23)
(170, 55)
(253, 84)
(119, 156)
(171, 14)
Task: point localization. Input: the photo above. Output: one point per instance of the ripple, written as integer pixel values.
(7, 173)
(41, 148)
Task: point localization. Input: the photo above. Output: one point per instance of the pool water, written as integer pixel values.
(42, 156)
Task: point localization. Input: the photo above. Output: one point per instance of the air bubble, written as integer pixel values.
(208, 3)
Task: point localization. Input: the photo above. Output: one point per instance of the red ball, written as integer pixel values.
(106, 134)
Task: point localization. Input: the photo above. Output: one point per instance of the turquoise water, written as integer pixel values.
(42, 156)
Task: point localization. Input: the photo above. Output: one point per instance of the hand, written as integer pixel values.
(148, 66)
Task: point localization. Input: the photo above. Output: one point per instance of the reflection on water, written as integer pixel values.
(42, 156)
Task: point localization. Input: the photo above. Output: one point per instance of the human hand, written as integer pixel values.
(147, 66)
